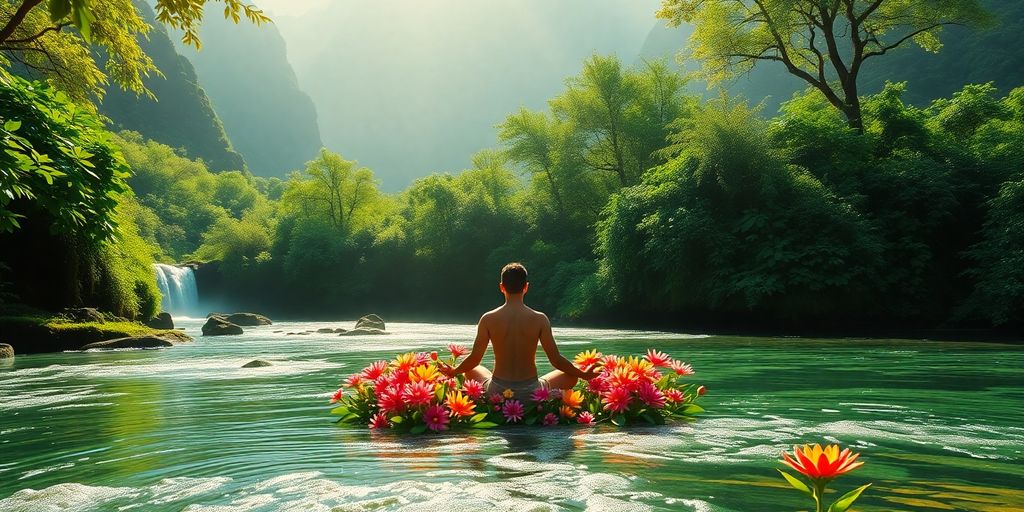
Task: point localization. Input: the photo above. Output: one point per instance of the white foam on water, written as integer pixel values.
(67, 497)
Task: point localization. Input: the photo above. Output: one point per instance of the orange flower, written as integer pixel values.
(508, 393)
(460, 404)
(567, 411)
(424, 373)
(572, 398)
(820, 463)
(587, 359)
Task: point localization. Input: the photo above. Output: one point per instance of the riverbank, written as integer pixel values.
(41, 333)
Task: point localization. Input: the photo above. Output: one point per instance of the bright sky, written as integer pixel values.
(290, 7)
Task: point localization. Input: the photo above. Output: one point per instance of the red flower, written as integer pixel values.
(418, 393)
(585, 418)
(375, 370)
(616, 400)
(336, 396)
(433, 356)
(681, 368)
(701, 390)
(817, 463)
(674, 395)
(391, 400)
(473, 388)
(649, 394)
(354, 380)
(457, 350)
(379, 420)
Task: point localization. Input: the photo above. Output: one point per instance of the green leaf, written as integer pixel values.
(11, 125)
(647, 417)
(59, 9)
(484, 424)
(341, 409)
(419, 429)
(692, 409)
(618, 420)
(796, 483)
(531, 419)
(846, 501)
(439, 393)
(478, 418)
(396, 419)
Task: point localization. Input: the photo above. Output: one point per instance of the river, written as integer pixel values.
(188, 429)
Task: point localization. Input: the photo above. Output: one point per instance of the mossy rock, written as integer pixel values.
(218, 326)
(149, 341)
(162, 320)
(370, 321)
(363, 331)
(36, 334)
(248, 319)
(257, 363)
(6, 351)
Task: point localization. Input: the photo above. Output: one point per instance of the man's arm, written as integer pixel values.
(479, 348)
(547, 341)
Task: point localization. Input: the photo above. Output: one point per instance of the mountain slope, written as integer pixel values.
(181, 116)
(245, 71)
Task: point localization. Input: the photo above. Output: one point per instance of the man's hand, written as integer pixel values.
(446, 369)
(590, 375)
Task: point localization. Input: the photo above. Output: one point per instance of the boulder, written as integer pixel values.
(83, 315)
(361, 331)
(162, 321)
(248, 319)
(371, 321)
(6, 351)
(328, 330)
(256, 363)
(218, 326)
(148, 341)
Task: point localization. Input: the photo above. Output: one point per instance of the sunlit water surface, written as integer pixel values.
(188, 429)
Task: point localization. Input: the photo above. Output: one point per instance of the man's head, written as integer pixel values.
(513, 279)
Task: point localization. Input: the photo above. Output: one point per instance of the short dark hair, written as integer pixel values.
(513, 277)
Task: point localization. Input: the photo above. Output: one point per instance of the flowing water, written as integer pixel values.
(187, 429)
(178, 289)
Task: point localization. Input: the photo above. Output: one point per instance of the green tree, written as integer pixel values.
(824, 43)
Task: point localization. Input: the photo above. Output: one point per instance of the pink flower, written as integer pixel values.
(550, 419)
(513, 411)
(436, 418)
(473, 388)
(610, 362)
(422, 358)
(379, 420)
(496, 398)
(616, 400)
(391, 400)
(649, 394)
(375, 370)
(674, 395)
(354, 380)
(381, 383)
(457, 350)
(418, 393)
(658, 359)
(336, 396)
(540, 395)
(681, 368)
(585, 418)
(598, 384)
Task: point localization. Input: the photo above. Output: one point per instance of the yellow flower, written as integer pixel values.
(567, 412)
(425, 373)
(405, 362)
(508, 393)
(459, 404)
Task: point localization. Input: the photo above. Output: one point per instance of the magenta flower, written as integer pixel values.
(418, 393)
(540, 395)
(422, 358)
(650, 394)
(658, 359)
(391, 400)
(616, 400)
(496, 398)
(379, 420)
(550, 419)
(336, 396)
(513, 411)
(375, 370)
(585, 418)
(681, 368)
(473, 388)
(436, 418)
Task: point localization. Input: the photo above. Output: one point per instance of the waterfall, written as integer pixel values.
(178, 287)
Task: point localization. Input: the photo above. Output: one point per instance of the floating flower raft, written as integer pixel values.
(411, 394)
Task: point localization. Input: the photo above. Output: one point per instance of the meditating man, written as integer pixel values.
(514, 330)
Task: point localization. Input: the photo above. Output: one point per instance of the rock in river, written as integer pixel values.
(218, 326)
(360, 331)
(6, 351)
(371, 321)
(248, 319)
(148, 341)
(83, 315)
(256, 363)
(161, 321)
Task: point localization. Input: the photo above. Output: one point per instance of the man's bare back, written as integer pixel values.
(514, 330)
